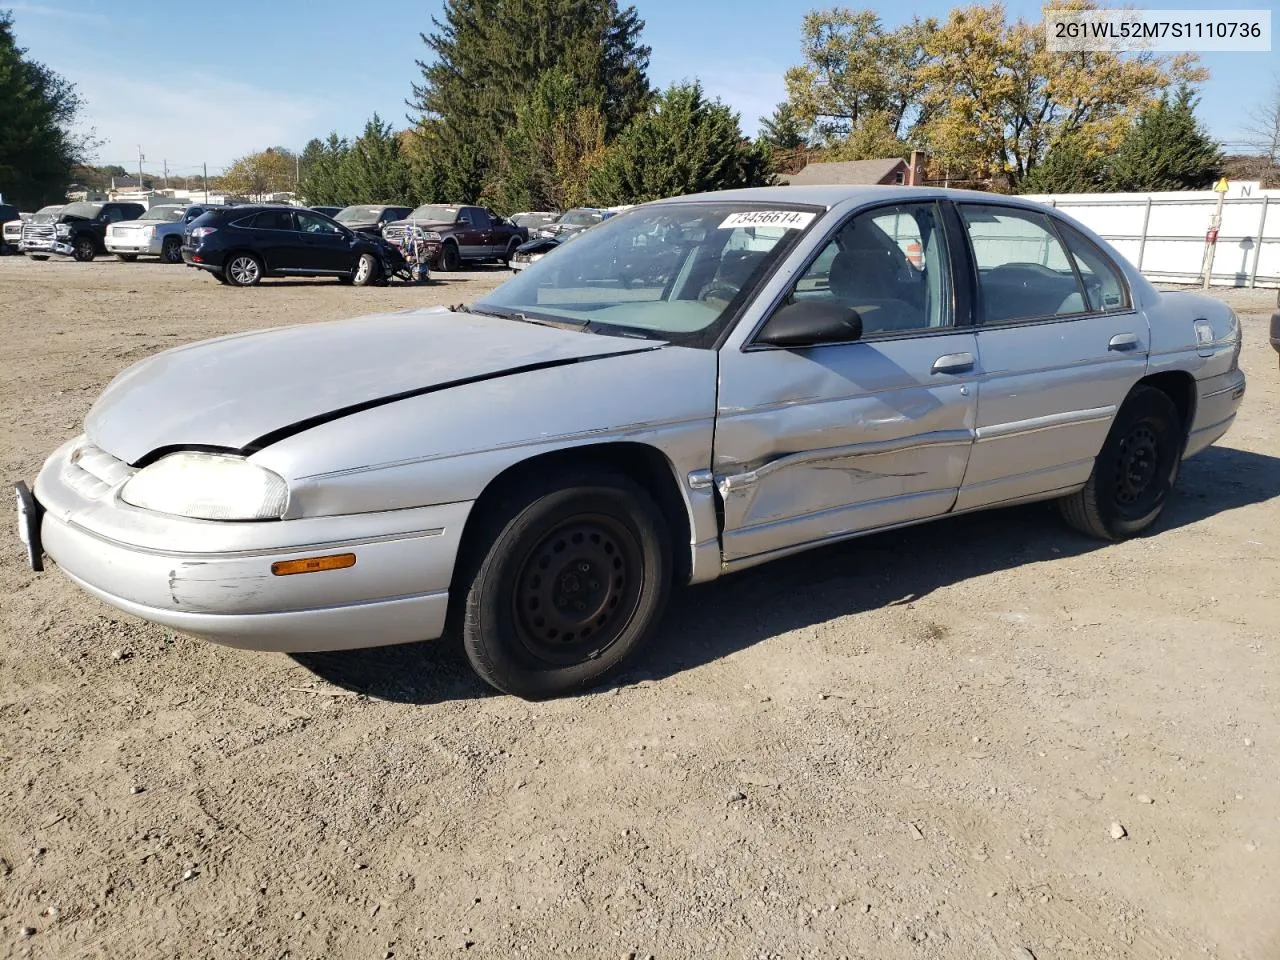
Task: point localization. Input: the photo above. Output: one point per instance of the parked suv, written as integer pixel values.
(242, 244)
(9, 215)
(157, 233)
(370, 218)
(456, 232)
(79, 230)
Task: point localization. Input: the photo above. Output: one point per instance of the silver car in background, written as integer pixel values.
(702, 385)
(157, 233)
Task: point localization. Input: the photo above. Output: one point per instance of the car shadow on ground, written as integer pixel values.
(711, 621)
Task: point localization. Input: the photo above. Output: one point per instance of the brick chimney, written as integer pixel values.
(915, 175)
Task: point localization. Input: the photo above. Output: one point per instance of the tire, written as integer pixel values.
(538, 621)
(242, 270)
(83, 249)
(366, 271)
(38, 256)
(450, 258)
(511, 250)
(221, 277)
(1134, 473)
(127, 257)
(171, 250)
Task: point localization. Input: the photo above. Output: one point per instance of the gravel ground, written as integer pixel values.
(985, 737)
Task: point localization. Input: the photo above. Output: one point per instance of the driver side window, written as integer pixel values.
(888, 264)
(309, 223)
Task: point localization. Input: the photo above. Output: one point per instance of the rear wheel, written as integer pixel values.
(127, 257)
(38, 256)
(565, 580)
(171, 251)
(83, 249)
(1134, 473)
(450, 258)
(243, 270)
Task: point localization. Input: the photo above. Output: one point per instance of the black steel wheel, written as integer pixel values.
(83, 249)
(1134, 473)
(562, 579)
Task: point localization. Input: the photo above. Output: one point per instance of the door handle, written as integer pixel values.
(1123, 341)
(953, 363)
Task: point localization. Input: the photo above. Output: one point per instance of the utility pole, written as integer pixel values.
(206, 182)
(166, 174)
(297, 172)
(140, 159)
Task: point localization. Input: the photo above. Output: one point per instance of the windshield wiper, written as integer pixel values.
(562, 323)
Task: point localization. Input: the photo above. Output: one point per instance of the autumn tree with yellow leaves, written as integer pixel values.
(982, 94)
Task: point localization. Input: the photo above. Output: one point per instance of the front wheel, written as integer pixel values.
(366, 270)
(566, 579)
(243, 270)
(1134, 473)
(38, 256)
(511, 250)
(84, 250)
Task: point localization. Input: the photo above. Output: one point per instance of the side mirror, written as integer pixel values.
(806, 323)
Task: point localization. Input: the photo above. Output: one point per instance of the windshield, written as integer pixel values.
(360, 214)
(435, 213)
(45, 214)
(169, 214)
(579, 218)
(86, 211)
(668, 271)
(532, 219)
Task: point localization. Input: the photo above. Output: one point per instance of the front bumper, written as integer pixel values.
(214, 579)
(138, 247)
(47, 246)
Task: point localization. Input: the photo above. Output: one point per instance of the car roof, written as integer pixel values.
(830, 196)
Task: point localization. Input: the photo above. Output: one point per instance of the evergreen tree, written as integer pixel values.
(1167, 149)
(374, 170)
(556, 140)
(488, 57)
(683, 144)
(782, 129)
(322, 164)
(37, 109)
(1069, 166)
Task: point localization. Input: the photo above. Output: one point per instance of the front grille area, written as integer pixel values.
(37, 231)
(394, 234)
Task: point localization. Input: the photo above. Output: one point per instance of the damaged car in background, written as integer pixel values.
(711, 382)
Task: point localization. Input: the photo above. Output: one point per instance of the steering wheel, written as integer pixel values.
(718, 291)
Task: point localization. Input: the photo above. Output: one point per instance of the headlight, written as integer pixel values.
(208, 486)
(63, 229)
(148, 232)
(430, 235)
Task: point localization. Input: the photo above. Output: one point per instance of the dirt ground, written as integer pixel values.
(914, 745)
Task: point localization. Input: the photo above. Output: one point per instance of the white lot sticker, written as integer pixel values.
(787, 219)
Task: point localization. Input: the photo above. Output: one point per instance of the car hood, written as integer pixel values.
(248, 390)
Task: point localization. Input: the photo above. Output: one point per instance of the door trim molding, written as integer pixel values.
(1071, 418)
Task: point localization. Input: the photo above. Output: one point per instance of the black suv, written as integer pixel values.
(78, 230)
(242, 244)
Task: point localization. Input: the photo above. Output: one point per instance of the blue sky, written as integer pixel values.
(210, 82)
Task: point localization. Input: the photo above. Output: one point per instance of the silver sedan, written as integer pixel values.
(709, 383)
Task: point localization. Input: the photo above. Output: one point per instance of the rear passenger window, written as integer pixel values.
(1023, 271)
(272, 220)
(1103, 282)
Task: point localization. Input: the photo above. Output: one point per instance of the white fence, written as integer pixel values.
(1163, 234)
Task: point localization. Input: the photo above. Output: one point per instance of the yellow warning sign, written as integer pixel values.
(1220, 186)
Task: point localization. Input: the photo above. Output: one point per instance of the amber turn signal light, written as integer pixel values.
(337, 561)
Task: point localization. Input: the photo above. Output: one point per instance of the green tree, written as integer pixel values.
(683, 144)
(488, 55)
(1071, 165)
(1167, 149)
(557, 139)
(374, 170)
(37, 110)
(321, 166)
(782, 129)
(272, 170)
